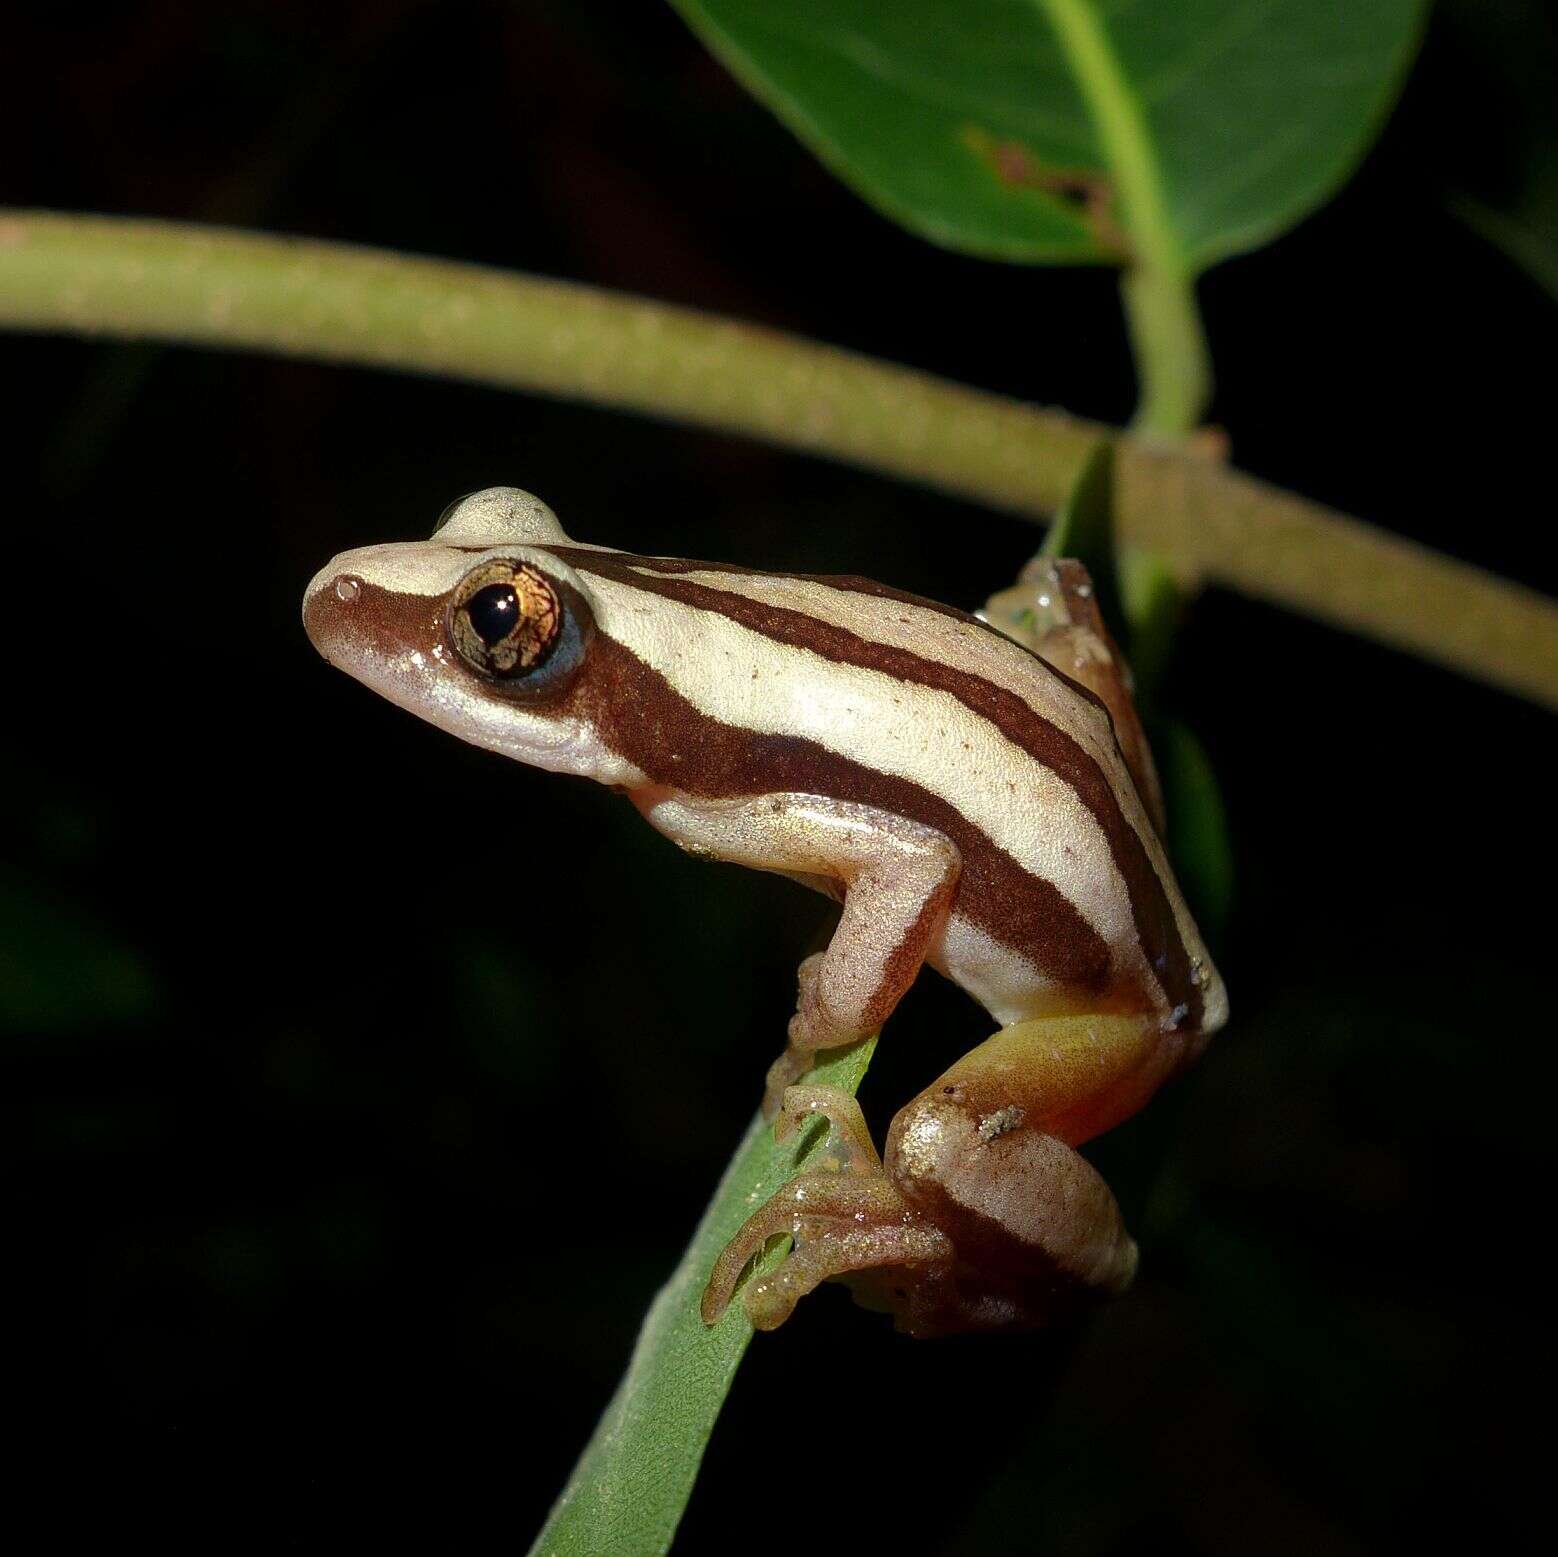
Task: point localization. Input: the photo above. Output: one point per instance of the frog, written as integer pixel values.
(974, 800)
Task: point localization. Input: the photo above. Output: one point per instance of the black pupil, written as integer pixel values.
(493, 611)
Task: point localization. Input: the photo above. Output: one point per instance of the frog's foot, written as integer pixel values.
(782, 1075)
(843, 1213)
(848, 1147)
(812, 1027)
(841, 1222)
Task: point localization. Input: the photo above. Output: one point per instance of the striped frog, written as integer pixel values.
(974, 804)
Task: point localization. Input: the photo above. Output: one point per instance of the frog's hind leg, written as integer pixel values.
(982, 1216)
(986, 1153)
(1053, 610)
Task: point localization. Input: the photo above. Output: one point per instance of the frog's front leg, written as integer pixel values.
(982, 1215)
(897, 877)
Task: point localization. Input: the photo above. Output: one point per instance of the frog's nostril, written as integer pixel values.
(329, 599)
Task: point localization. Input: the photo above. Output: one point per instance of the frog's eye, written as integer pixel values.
(509, 621)
(505, 618)
(445, 516)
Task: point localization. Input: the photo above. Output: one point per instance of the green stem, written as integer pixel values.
(1159, 288)
(1172, 363)
(163, 281)
(632, 1482)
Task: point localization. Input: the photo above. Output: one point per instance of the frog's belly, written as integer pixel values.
(1004, 982)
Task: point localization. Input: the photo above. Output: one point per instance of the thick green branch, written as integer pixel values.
(154, 280)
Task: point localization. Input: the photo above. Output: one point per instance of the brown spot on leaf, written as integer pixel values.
(1086, 192)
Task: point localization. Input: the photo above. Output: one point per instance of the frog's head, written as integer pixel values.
(482, 630)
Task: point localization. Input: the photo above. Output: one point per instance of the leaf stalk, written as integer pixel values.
(1173, 365)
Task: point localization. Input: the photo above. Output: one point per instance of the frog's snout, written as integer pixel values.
(328, 607)
(370, 614)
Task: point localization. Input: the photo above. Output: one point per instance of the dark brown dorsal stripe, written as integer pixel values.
(854, 584)
(642, 717)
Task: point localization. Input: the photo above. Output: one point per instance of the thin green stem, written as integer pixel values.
(163, 281)
(632, 1482)
(1172, 364)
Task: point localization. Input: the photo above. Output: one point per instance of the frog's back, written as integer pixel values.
(747, 682)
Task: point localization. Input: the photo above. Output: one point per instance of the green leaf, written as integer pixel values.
(1198, 840)
(633, 1480)
(1151, 605)
(1527, 232)
(1142, 605)
(1084, 530)
(1077, 130)
(1508, 184)
(1136, 591)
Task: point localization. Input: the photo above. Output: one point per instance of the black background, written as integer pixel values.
(337, 1181)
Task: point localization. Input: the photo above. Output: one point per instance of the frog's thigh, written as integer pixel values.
(982, 1216)
(985, 1153)
(898, 878)
(1071, 1075)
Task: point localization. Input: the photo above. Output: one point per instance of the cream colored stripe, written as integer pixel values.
(753, 682)
(976, 651)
